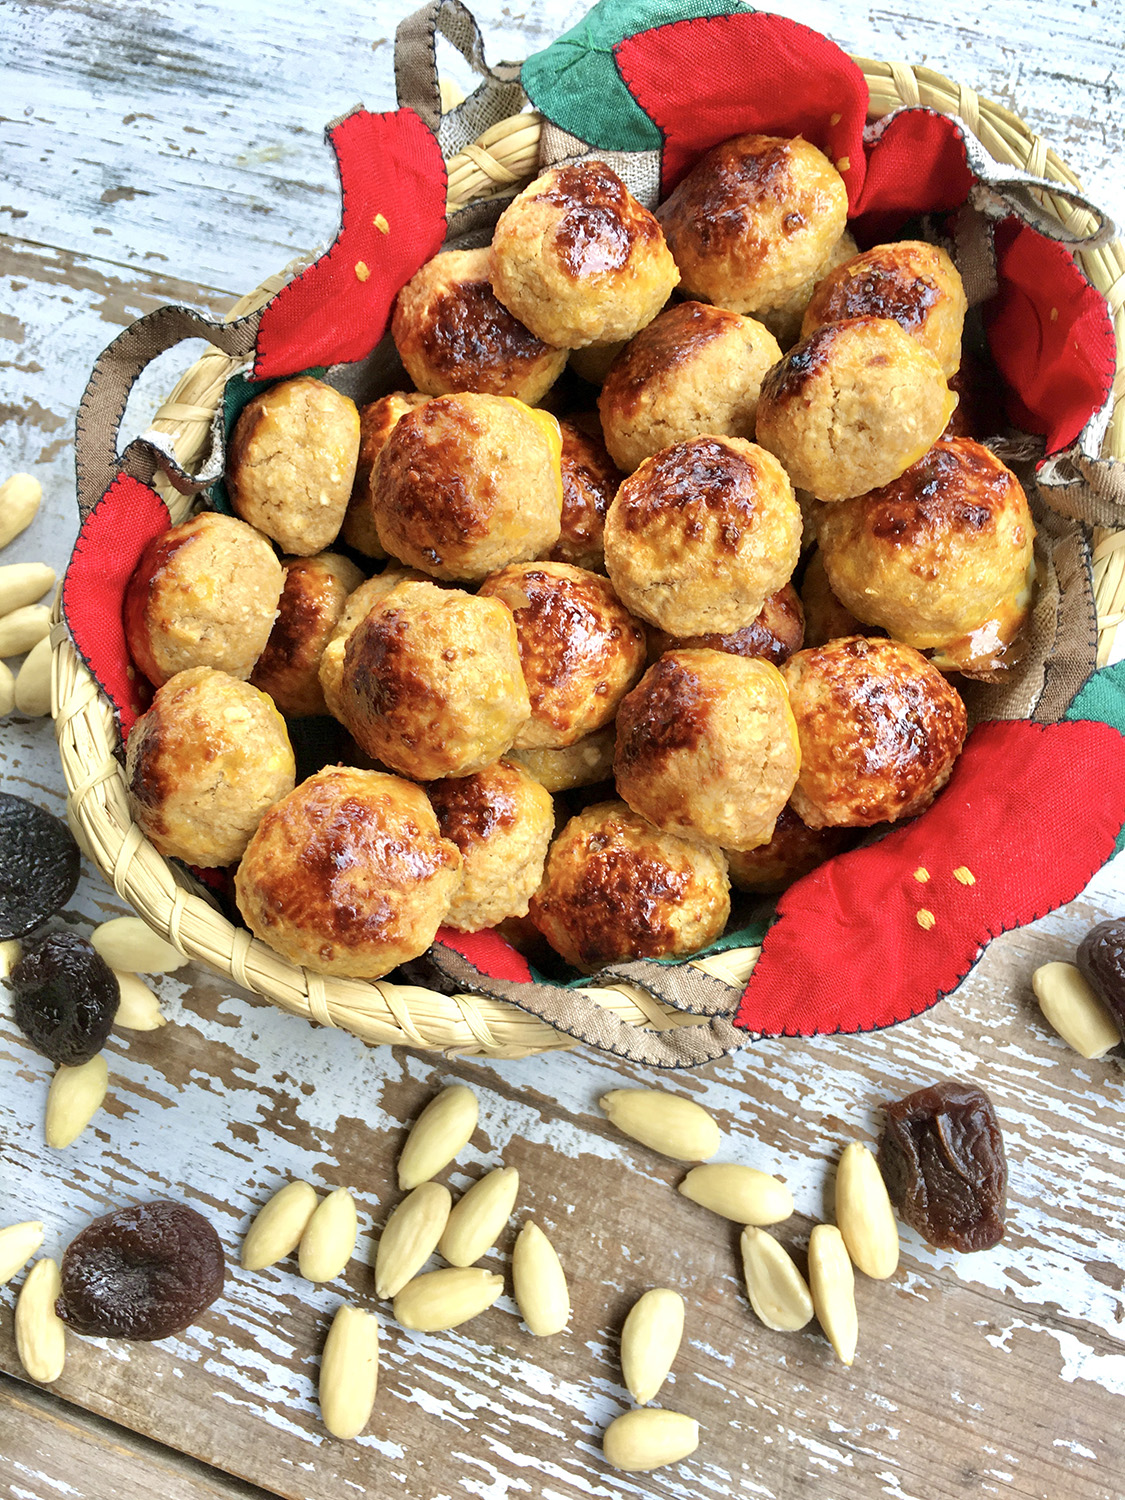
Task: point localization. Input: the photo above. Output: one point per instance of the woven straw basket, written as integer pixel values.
(503, 158)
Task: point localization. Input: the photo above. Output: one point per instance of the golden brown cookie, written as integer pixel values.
(590, 479)
(203, 765)
(312, 601)
(203, 594)
(694, 370)
(377, 421)
(585, 763)
(616, 888)
(578, 260)
(701, 535)
(707, 747)
(793, 851)
(826, 619)
(784, 322)
(880, 729)
(330, 671)
(778, 631)
(291, 461)
(349, 874)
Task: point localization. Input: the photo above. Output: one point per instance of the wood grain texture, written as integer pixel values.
(174, 152)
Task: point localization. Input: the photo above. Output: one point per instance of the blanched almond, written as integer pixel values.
(539, 1282)
(447, 1298)
(23, 583)
(130, 946)
(7, 690)
(19, 500)
(18, 1243)
(443, 1128)
(138, 1009)
(1078, 1015)
(832, 1283)
(74, 1098)
(778, 1292)
(864, 1213)
(411, 1236)
(349, 1372)
(479, 1216)
(673, 1126)
(329, 1240)
(739, 1193)
(33, 681)
(23, 628)
(40, 1334)
(650, 1341)
(649, 1438)
(278, 1225)
(9, 956)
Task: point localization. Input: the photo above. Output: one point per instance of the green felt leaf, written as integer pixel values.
(575, 82)
(1102, 699)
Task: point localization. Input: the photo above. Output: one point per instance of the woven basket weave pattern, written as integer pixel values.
(504, 156)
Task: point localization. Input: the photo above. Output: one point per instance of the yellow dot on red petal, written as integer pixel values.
(381, 224)
(361, 271)
(921, 874)
(844, 164)
(835, 119)
(964, 875)
(926, 919)
(1054, 315)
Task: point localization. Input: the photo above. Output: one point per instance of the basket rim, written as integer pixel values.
(466, 1024)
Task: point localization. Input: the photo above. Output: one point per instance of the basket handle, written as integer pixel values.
(107, 392)
(418, 84)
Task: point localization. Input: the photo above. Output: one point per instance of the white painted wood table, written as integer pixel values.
(173, 151)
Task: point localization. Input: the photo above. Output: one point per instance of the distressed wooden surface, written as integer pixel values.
(173, 152)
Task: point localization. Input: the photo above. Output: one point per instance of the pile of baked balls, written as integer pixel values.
(603, 600)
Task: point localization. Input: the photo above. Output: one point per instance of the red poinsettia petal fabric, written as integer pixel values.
(488, 952)
(917, 165)
(703, 80)
(392, 182)
(1031, 811)
(113, 536)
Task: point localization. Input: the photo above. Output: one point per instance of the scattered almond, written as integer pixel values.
(349, 1372)
(74, 1098)
(447, 1298)
(23, 583)
(130, 946)
(19, 500)
(675, 1127)
(33, 681)
(1078, 1015)
(443, 1128)
(329, 1238)
(40, 1333)
(479, 1217)
(832, 1283)
(411, 1237)
(864, 1213)
(739, 1193)
(138, 1009)
(7, 690)
(18, 1243)
(539, 1282)
(278, 1226)
(778, 1292)
(650, 1341)
(649, 1438)
(23, 628)
(9, 956)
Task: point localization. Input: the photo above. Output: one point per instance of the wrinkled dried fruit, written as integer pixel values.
(66, 997)
(942, 1158)
(639, 1441)
(39, 863)
(1101, 957)
(142, 1272)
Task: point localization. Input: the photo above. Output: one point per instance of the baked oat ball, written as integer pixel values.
(468, 483)
(915, 284)
(312, 601)
(330, 671)
(592, 362)
(578, 260)
(880, 729)
(203, 765)
(617, 888)
(826, 619)
(695, 369)
(580, 648)
(784, 322)
(432, 685)
(377, 420)
(453, 335)
(793, 851)
(988, 653)
(502, 821)
(349, 874)
(585, 763)
(753, 220)
(778, 631)
(930, 555)
(590, 479)
(203, 594)
(852, 406)
(701, 535)
(291, 461)
(707, 747)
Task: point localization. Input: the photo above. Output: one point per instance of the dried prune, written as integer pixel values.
(141, 1273)
(39, 863)
(1101, 957)
(66, 997)
(942, 1157)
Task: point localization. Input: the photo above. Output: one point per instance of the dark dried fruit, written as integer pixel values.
(942, 1158)
(66, 997)
(39, 864)
(1101, 957)
(141, 1273)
